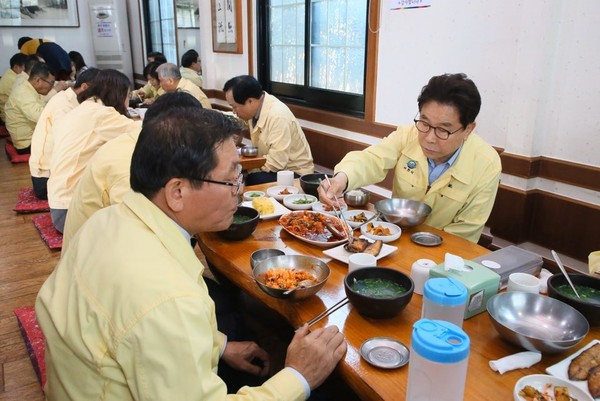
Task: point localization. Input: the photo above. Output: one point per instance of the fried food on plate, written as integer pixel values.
(361, 245)
(580, 366)
(594, 382)
(263, 205)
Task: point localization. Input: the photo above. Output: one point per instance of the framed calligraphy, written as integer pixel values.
(54, 13)
(227, 26)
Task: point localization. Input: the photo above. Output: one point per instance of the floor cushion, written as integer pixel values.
(51, 236)
(29, 203)
(13, 156)
(34, 340)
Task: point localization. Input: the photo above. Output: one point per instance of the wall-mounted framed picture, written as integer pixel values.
(53, 13)
(226, 26)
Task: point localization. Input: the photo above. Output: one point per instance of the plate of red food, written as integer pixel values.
(316, 228)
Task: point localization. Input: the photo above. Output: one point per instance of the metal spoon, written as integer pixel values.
(301, 284)
(562, 269)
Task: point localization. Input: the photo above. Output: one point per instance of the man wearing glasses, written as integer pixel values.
(126, 313)
(438, 160)
(25, 105)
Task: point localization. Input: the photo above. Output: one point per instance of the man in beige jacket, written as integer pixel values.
(171, 80)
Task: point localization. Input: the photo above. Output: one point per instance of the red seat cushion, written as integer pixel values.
(34, 340)
(51, 236)
(13, 156)
(29, 203)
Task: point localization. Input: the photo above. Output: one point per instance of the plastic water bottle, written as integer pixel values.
(444, 298)
(439, 354)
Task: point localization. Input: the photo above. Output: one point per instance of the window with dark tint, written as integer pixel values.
(312, 52)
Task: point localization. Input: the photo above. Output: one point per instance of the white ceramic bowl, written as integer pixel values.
(394, 229)
(321, 207)
(299, 201)
(349, 214)
(251, 195)
(545, 384)
(276, 191)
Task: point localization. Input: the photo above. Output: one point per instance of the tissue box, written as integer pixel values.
(480, 281)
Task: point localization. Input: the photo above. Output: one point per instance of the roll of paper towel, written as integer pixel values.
(420, 273)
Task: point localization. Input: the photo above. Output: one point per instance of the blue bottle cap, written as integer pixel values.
(440, 341)
(445, 291)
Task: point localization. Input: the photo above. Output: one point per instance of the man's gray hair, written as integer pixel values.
(169, 70)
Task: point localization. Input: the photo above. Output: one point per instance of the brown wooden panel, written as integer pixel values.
(571, 173)
(519, 166)
(510, 216)
(565, 225)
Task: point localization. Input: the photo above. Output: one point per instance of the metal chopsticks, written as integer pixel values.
(327, 312)
(340, 214)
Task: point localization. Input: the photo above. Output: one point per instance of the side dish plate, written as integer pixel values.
(279, 209)
(384, 352)
(426, 239)
(328, 240)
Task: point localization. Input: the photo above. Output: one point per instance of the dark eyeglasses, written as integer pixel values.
(236, 185)
(48, 82)
(441, 133)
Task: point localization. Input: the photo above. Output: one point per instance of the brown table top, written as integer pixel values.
(249, 163)
(232, 259)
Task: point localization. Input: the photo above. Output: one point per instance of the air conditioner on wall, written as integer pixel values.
(110, 35)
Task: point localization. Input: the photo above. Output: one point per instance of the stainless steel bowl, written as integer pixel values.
(300, 262)
(249, 151)
(537, 322)
(357, 197)
(403, 212)
(263, 254)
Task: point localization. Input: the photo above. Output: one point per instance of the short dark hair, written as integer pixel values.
(243, 87)
(150, 69)
(30, 61)
(77, 59)
(22, 41)
(86, 77)
(18, 59)
(157, 56)
(179, 144)
(189, 58)
(455, 90)
(41, 70)
(110, 86)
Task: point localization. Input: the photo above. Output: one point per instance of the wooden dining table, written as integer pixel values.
(232, 259)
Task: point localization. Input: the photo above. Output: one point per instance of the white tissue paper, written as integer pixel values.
(516, 361)
(454, 262)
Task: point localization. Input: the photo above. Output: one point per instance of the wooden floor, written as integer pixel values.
(25, 262)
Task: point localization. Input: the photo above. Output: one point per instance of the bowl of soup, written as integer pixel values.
(588, 288)
(244, 223)
(378, 292)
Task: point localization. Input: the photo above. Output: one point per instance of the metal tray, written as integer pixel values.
(426, 239)
(384, 352)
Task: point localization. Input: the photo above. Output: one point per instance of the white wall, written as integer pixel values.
(536, 64)
(79, 39)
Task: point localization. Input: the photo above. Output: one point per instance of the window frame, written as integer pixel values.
(351, 104)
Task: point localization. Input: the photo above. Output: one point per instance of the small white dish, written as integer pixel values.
(250, 195)
(561, 369)
(340, 253)
(281, 191)
(279, 209)
(323, 208)
(299, 201)
(394, 229)
(545, 384)
(349, 215)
